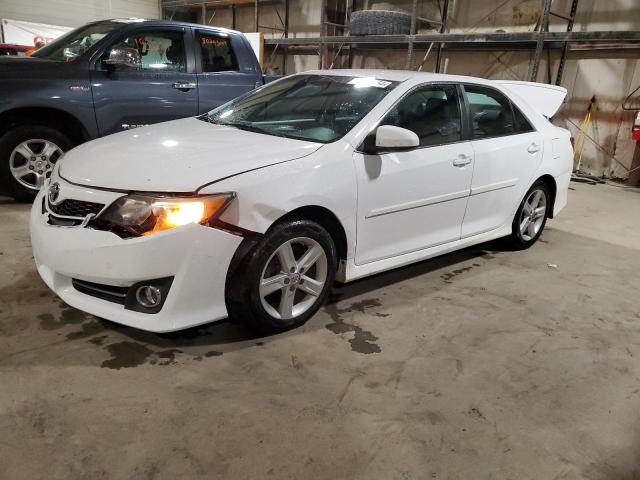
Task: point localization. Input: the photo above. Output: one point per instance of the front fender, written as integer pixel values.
(325, 178)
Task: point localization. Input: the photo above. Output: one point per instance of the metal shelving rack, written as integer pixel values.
(335, 48)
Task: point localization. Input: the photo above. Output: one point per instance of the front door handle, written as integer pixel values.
(533, 148)
(462, 160)
(184, 85)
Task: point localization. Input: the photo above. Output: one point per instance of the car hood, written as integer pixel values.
(177, 156)
(26, 72)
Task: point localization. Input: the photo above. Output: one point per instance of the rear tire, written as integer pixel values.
(531, 217)
(284, 279)
(25, 151)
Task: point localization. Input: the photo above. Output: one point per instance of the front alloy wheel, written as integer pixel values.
(293, 278)
(284, 279)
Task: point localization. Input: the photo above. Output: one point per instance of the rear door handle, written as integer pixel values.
(533, 148)
(462, 160)
(184, 85)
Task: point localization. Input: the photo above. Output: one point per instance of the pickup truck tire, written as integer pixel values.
(27, 156)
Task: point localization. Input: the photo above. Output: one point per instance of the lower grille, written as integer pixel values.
(75, 208)
(105, 292)
(126, 296)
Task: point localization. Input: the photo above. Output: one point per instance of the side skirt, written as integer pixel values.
(349, 271)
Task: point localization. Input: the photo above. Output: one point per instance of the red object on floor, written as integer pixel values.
(635, 130)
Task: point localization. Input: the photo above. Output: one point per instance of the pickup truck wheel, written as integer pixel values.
(285, 279)
(27, 156)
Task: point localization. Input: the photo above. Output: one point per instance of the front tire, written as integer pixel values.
(531, 217)
(27, 155)
(285, 278)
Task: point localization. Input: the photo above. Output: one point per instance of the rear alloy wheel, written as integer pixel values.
(285, 278)
(531, 216)
(28, 155)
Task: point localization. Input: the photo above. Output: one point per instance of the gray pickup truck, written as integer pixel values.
(110, 76)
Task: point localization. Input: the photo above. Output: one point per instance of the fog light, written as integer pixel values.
(149, 296)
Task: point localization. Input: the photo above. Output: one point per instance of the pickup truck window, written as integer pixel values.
(217, 54)
(71, 45)
(160, 50)
(317, 108)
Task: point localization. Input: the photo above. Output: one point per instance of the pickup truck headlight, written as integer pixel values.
(146, 214)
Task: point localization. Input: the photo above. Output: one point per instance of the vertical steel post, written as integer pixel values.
(351, 7)
(233, 16)
(544, 27)
(443, 27)
(255, 17)
(323, 33)
(565, 46)
(412, 32)
(285, 49)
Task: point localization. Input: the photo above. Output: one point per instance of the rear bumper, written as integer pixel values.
(197, 258)
(562, 191)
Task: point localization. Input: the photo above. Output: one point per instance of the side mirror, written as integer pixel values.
(388, 138)
(123, 57)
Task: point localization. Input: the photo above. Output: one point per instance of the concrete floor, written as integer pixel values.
(483, 364)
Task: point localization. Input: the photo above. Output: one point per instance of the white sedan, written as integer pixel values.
(253, 210)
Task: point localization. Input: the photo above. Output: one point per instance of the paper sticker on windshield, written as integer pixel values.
(362, 82)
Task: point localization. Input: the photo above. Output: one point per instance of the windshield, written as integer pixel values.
(73, 44)
(317, 108)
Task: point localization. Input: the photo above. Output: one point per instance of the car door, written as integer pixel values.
(223, 71)
(507, 152)
(410, 200)
(160, 87)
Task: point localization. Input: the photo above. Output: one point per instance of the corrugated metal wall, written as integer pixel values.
(73, 13)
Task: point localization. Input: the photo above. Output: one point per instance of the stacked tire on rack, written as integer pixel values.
(380, 22)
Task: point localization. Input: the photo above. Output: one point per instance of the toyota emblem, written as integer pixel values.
(54, 192)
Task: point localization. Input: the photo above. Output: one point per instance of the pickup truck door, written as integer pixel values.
(162, 87)
(226, 68)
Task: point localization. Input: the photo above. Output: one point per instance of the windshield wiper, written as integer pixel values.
(247, 127)
(243, 126)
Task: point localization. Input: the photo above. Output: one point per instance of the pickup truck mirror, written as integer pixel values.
(123, 57)
(387, 138)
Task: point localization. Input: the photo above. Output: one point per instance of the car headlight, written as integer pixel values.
(141, 214)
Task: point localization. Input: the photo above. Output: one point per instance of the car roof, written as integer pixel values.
(144, 21)
(401, 75)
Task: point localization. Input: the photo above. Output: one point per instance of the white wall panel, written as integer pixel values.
(73, 13)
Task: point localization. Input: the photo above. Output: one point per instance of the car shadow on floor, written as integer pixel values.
(226, 335)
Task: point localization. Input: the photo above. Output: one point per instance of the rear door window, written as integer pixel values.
(491, 112)
(216, 53)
